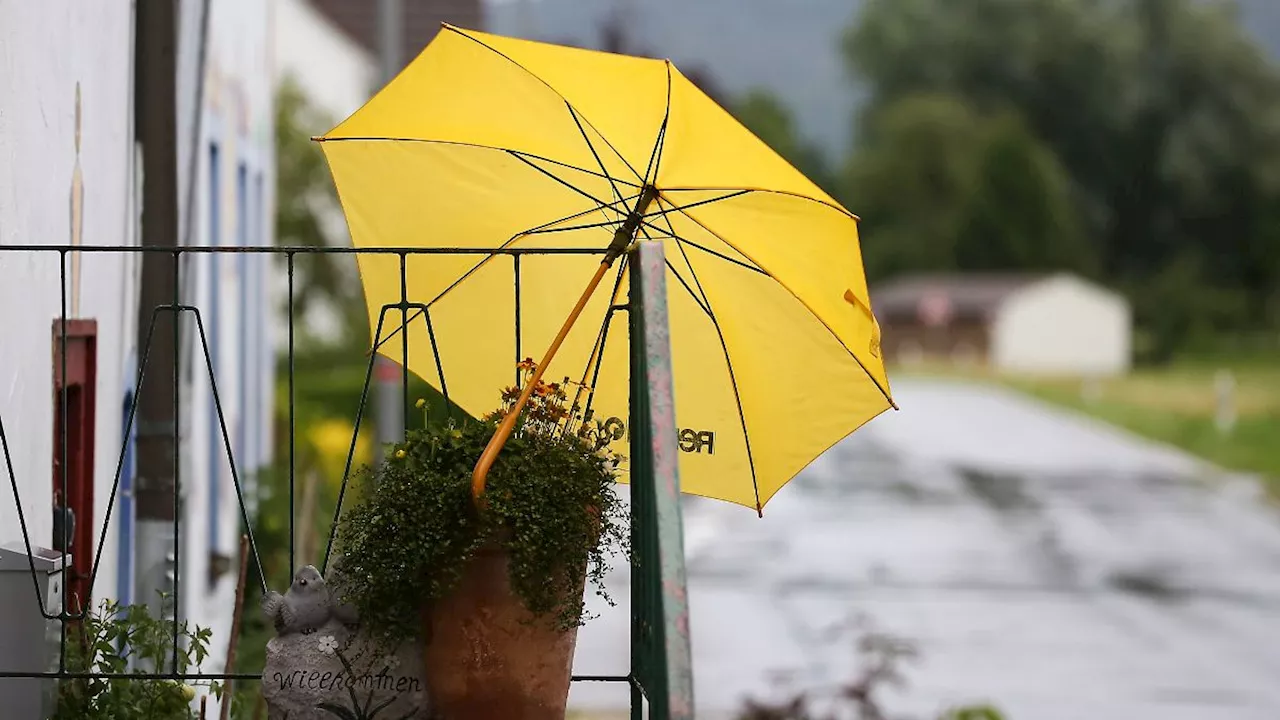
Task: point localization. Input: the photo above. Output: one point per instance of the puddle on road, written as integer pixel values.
(1149, 584)
(1005, 492)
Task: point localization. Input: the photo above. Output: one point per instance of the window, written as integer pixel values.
(212, 315)
(242, 318)
(75, 370)
(124, 504)
(262, 358)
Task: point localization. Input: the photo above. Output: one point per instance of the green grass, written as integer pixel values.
(1174, 405)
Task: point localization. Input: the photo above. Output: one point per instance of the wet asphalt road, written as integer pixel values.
(1052, 565)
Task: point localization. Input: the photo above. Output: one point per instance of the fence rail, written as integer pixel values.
(661, 672)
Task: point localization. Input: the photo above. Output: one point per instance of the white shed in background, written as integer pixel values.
(1062, 325)
(1041, 324)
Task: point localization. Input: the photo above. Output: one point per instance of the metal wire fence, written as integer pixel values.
(661, 676)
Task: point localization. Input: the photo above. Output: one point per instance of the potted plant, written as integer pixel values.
(494, 589)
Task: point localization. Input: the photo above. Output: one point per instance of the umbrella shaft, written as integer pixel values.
(627, 231)
(621, 239)
(508, 424)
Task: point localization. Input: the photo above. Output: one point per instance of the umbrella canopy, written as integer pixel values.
(491, 142)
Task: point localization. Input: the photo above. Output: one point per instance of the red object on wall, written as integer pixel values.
(80, 384)
(386, 370)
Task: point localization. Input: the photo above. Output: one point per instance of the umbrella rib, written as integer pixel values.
(583, 131)
(553, 227)
(883, 391)
(688, 263)
(535, 76)
(600, 203)
(767, 191)
(722, 256)
(567, 228)
(670, 232)
(478, 146)
(699, 203)
(603, 337)
(545, 227)
(655, 157)
(685, 283)
(705, 305)
(733, 380)
(702, 303)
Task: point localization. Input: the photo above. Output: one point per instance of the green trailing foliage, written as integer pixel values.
(130, 641)
(550, 504)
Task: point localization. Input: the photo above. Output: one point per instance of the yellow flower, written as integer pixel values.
(422, 402)
(330, 439)
(455, 434)
(400, 454)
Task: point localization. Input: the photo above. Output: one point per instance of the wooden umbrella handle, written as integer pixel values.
(621, 239)
(508, 424)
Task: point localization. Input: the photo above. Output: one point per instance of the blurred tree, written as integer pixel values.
(763, 114)
(943, 187)
(1019, 210)
(910, 180)
(1163, 114)
(308, 216)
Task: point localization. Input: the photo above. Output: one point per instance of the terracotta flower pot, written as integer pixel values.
(488, 657)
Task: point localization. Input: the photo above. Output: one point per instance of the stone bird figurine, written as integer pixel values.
(306, 605)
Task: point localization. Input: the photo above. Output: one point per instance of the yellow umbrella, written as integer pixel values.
(491, 142)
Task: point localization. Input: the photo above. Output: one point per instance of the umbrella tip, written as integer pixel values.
(317, 138)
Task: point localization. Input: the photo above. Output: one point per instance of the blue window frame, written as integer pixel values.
(212, 323)
(124, 509)
(263, 357)
(242, 239)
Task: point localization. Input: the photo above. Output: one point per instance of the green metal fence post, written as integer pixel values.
(660, 657)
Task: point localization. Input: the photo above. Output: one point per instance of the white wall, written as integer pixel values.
(334, 71)
(337, 75)
(1063, 325)
(47, 48)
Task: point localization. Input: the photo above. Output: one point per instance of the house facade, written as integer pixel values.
(71, 174)
(329, 52)
(330, 48)
(335, 72)
(67, 177)
(227, 150)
